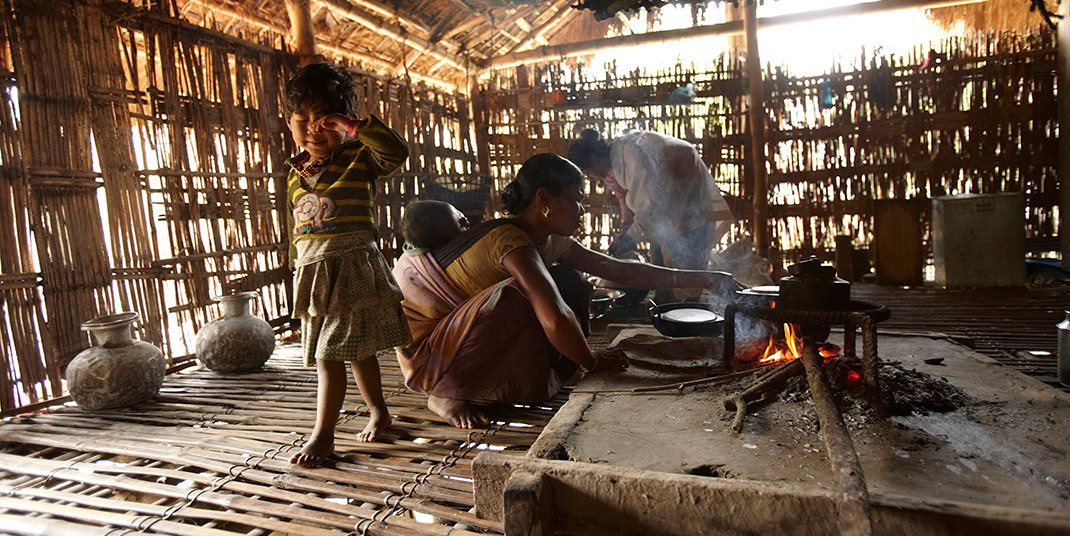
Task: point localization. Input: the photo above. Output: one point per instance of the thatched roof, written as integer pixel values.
(998, 15)
(443, 42)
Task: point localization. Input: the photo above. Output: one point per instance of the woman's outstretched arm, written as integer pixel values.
(642, 275)
(557, 319)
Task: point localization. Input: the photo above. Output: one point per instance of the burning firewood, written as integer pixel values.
(766, 388)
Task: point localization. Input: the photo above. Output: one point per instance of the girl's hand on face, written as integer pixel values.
(612, 359)
(336, 122)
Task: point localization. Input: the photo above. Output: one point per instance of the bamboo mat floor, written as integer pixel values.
(209, 457)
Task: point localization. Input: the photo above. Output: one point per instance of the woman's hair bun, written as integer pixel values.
(512, 197)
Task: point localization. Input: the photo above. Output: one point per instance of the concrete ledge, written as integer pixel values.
(563, 497)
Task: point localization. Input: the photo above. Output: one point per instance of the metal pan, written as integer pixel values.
(686, 319)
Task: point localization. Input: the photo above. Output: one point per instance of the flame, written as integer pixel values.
(853, 376)
(777, 352)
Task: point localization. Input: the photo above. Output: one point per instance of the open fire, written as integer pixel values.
(780, 350)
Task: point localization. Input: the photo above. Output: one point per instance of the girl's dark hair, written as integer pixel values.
(322, 84)
(589, 151)
(544, 170)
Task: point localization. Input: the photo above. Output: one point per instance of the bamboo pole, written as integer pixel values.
(563, 10)
(854, 509)
(1063, 65)
(756, 126)
(384, 64)
(304, 42)
(391, 31)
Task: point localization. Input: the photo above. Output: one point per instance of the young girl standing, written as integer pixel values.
(344, 294)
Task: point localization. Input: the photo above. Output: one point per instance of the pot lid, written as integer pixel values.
(762, 290)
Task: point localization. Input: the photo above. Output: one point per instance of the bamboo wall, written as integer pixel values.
(141, 160)
(543, 108)
(982, 118)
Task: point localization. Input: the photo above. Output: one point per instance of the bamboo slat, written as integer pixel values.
(209, 456)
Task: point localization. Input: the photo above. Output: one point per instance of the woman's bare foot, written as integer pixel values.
(378, 422)
(459, 413)
(315, 452)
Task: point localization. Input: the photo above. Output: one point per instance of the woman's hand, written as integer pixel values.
(722, 283)
(612, 359)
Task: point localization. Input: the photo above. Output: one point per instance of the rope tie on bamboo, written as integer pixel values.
(48, 476)
(364, 524)
(141, 520)
(193, 495)
(408, 489)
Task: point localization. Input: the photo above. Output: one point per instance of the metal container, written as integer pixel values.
(603, 300)
(979, 240)
(762, 296)
(1064, 350)
(667, 325)
(813, 286)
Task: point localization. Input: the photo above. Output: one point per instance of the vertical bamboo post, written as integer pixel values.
(756, 125)
(1063, 66)
(479, 123)
(303, 41)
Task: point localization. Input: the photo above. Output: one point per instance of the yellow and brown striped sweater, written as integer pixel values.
(342, 200)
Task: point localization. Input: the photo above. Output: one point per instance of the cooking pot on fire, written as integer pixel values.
(762, 296)
(686, 319)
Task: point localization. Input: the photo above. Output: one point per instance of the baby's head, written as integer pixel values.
(316, 91)
(429, 224)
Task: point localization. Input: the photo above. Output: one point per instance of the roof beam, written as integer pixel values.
(562, 10)
(389, 30)
(465, 25)
(580, 48)
(352, 55)
(389, 14)
(425, 32)
(498, 27)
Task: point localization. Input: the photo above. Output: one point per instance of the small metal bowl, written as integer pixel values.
(603, 300)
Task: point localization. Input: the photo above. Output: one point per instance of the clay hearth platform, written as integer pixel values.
(1008, 446)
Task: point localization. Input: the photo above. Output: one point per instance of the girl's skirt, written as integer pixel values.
(346, 298)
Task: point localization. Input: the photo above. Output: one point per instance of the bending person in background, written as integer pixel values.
(666, 193)
(499, 313)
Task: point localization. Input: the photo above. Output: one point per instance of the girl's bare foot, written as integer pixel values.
(459, 413)
(378, 422)
(315, 452)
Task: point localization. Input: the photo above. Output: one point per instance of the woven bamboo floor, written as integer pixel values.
(1015, 326)
(209, 457)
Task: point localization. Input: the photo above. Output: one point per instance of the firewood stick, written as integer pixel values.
(768, 385)
(854, 518)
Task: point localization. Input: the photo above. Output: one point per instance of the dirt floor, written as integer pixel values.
(1005, 444)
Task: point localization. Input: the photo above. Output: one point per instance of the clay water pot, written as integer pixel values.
(237, 342)
(118, 371)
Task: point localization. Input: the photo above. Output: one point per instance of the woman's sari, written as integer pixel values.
(489, 347)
